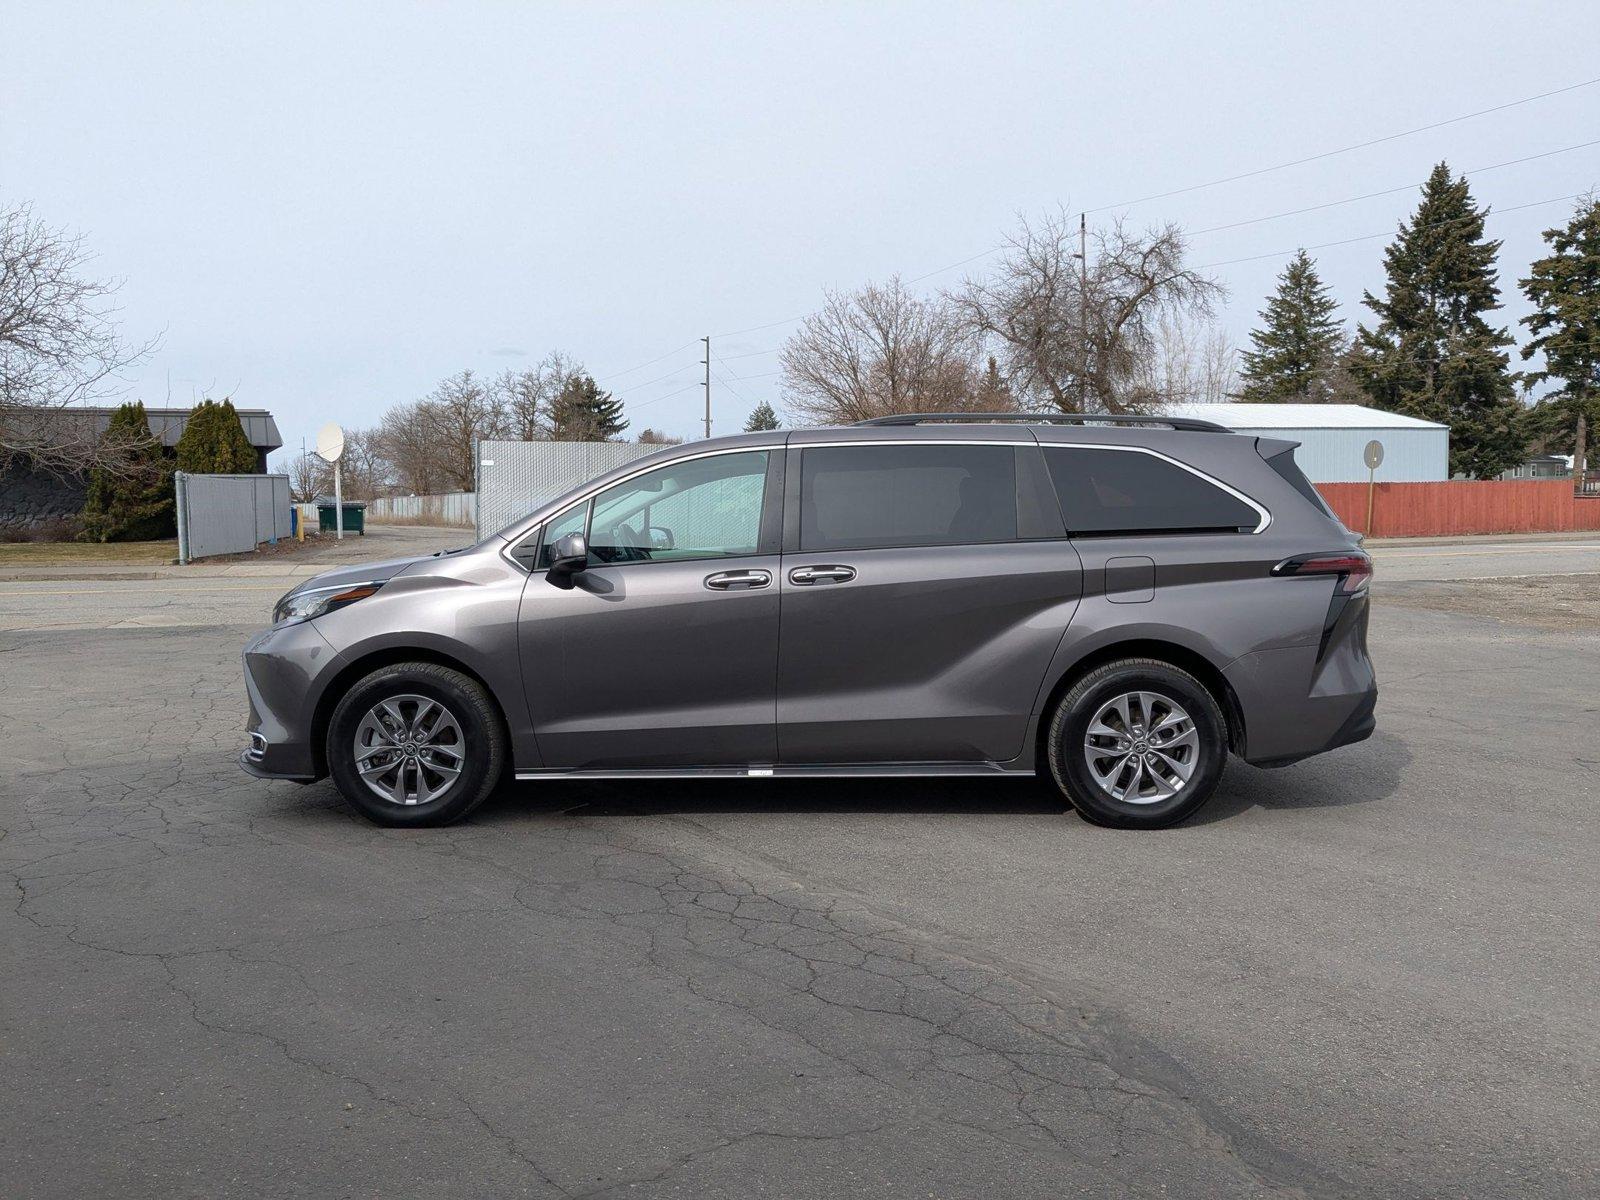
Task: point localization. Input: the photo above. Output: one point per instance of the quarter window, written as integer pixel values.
(702, 508)
(1120, 491)
(859, 497)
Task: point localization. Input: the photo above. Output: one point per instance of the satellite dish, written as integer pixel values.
(330, 442)
(1372, 456)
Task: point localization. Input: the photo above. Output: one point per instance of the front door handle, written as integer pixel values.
(830, 574)
(738, 581)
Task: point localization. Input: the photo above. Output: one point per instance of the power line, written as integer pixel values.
(1252, 174)
(1367, 237)
(652, 362)
(634, 387)
(1279, 167)
(758, 328)
(668, 396)
(1405, 187)
(1297, 162)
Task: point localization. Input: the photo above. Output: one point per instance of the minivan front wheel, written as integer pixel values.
(1137, 744)
(416, 744)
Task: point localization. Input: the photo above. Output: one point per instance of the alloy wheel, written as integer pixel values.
(1141, 748)
(409, 749)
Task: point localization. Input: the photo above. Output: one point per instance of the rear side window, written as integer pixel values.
(1122, 491)
(859, 497)
(1285, 465)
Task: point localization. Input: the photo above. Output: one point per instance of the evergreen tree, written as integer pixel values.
(1298, 343)
(1565, 288)
(994, 393)
(581, 412)
(762, 418)
(132, 501)
(214, 442)
(1432, 354)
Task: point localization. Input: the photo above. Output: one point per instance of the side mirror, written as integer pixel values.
(661, 538)
(568, 556)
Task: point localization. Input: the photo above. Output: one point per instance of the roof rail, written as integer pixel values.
(1190, 424)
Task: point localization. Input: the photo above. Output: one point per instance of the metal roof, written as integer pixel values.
(1299, 416)
(166, 423)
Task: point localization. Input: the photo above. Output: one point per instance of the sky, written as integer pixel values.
(324, 209)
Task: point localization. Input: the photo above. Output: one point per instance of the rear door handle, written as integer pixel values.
(738, 581)
(830, 574)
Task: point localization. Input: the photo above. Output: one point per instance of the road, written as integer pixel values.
(1374, 973)
(1411, 561)
(246, 599)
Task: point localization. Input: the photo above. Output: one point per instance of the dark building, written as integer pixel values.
(32, 497)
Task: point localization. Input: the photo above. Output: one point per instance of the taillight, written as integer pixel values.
(1353, 567)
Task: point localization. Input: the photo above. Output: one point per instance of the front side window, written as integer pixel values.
(703, 508)
(567, 521)
(860, 497)
(1108, 492)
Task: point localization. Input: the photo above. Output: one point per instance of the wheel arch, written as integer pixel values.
(374, 660)
(1185, 658)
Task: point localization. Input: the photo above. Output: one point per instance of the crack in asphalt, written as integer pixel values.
(915, 1034)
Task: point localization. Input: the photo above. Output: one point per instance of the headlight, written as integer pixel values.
(313, 602)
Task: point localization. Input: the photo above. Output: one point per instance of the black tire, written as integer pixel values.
(482, 743)
(1069, 729)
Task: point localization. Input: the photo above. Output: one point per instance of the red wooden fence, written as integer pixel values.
(1463, 506)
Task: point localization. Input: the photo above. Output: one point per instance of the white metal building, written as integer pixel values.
(1333, 436)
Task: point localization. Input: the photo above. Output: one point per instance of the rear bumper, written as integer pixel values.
(1294, 706)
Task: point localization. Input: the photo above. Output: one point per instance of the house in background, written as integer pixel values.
(1541, 466)
(1332, 438)
(32, 497)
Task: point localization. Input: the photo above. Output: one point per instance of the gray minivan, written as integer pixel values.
(1116, 602)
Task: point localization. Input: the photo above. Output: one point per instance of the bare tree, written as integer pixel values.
(455, 415)
(527, 396)
(876, 351)
(309, 478)
(655, 437)
(58, 346)
(1191, 362)
(1070, 347)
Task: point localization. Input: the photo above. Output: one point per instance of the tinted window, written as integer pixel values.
(1285, 466)
(703, 508)
(1121, 491)
(856, 497)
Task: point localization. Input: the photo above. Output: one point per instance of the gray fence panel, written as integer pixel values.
(229, 514)
(514, 478)
(448, 508)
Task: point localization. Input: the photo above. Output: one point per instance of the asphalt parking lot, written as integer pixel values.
(1374, 973)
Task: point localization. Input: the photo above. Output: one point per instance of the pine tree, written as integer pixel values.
(1432, 354)
(581, 412)
(1299, 341)
(133, 501)
(762, 418)
(237, 456)
(214, 442)
(1565, 289)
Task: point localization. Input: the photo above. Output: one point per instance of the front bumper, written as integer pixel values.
(286, 670)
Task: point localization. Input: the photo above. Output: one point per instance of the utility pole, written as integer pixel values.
(1083, 309)
(707, 341)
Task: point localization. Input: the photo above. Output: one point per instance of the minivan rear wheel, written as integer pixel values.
(1137, 744)
(416, 744)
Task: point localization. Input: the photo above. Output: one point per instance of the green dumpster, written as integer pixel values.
(355, 516)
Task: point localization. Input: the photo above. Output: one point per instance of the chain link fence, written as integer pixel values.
(514, 478)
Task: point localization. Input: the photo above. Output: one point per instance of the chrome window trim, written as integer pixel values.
(1261, 526)
(1261, 511)
(507, 551)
